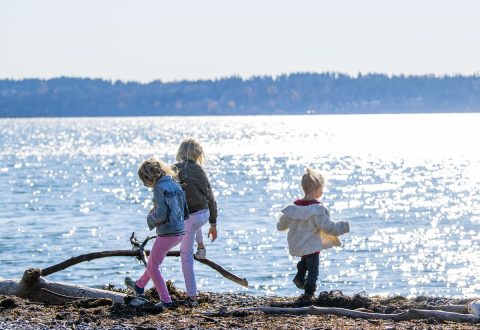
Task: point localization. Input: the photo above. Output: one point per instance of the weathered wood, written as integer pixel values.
(34, 287)
(29, 284)
(462, 309)
(134, 253)
(141, 247)
(8, 287)
(87, 257)
(38, 289)
(474, 307)
(411, 314)
(225, 273)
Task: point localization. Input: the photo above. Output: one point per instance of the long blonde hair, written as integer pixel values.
(153, 169)
(312, 180)
(190, 149)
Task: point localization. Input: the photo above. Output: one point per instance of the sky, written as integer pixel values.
(142, 40)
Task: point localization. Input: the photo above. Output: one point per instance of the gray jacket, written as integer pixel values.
(168, 213)
(197, 188)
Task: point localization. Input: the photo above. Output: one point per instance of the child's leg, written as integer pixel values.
(301, 271)
(195, 221)
(199, 238)
(143, 280)
(312, 261)
(159, 250)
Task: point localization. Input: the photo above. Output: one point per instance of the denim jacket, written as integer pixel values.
(169, 208)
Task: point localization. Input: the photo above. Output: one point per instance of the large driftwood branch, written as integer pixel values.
(134, 253)
(35, 288)
(225, 273)
(139, 252)
(411, 314)
(87, 257)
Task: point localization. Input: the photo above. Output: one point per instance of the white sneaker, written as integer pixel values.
(201, 253)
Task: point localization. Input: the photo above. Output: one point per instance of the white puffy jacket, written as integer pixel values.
(310, 229)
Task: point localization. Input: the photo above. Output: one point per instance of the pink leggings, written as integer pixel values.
(160, 247)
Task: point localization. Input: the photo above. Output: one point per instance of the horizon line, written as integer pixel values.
(252, 77)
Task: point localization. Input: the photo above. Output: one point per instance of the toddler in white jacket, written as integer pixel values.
(310, 230)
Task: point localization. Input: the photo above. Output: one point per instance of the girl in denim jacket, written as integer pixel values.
(167, 216)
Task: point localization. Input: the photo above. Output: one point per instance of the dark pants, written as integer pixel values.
(308, 266)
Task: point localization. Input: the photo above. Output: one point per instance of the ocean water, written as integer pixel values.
(408, 184)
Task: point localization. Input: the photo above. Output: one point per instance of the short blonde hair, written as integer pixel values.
(190, 149)
(153, 169)
(312, 180)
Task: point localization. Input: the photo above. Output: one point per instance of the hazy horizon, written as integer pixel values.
(173, 41)
(273, 76)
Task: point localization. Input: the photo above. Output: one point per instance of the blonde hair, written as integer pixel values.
(312, 180)
(153, 169)
(190, 149)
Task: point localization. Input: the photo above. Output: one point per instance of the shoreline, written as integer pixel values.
(218, 311)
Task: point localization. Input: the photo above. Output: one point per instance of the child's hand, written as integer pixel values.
(213, 231)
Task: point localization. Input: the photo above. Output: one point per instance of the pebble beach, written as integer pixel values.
(216, 311)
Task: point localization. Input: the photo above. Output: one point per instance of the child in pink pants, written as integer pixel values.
(167, 216)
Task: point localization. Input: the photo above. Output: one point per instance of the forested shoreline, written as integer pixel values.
(301, 93)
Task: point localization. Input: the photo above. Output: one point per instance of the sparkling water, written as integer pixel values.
(408, 184)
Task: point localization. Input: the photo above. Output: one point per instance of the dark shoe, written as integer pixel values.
(159, 307)
(192, 302)
(298, 283)
(168, 305)
(132, 286)
(305, 299)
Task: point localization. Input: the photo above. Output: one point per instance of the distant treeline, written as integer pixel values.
(328, 93)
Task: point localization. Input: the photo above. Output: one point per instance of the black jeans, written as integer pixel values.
(308, 266)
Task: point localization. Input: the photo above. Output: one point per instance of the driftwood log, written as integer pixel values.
(411, 314)
(133, 253)
(142, 254)
(35, 287)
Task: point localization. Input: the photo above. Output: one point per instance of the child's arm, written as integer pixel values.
(205, 187)
(158, 213)
(335, 228)
(212, 205)
(282, 223)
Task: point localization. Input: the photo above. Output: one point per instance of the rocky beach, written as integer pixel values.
(218, 311)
